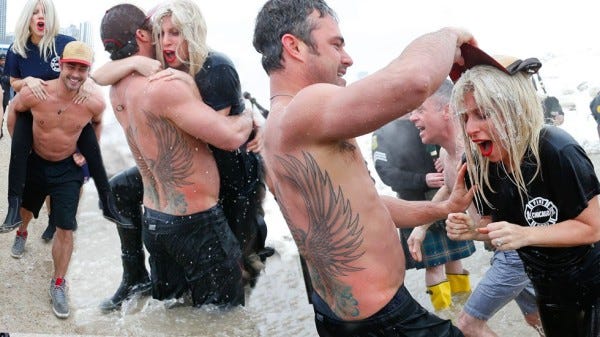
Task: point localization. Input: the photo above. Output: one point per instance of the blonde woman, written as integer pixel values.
(538, 192)
(32, 60)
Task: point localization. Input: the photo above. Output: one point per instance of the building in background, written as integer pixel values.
(86, 33)
(82, 33)
(71, 30)
(3, 37)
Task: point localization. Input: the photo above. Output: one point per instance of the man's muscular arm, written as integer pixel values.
(406, 214)
(177, 102)
(23, 101)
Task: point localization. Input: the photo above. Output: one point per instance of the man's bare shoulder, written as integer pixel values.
(96, 102)
(168, 93)
(306, 109)
(25, 99)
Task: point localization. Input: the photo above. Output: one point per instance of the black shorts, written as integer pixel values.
(402, 316)
(195, 252)
(61, 181)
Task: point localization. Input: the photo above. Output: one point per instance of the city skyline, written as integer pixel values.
(81, 31)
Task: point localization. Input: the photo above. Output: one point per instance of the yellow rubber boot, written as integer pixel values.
(440, 295)
(459, 283)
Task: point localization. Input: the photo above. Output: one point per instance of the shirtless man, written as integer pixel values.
(57, 124)
(344, 230)
(168, 128)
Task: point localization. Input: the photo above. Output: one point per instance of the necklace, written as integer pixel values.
(63, 109)
(280, 95)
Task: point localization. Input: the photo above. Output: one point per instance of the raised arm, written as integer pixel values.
(22, 102)
(347, 112)
(113, 71)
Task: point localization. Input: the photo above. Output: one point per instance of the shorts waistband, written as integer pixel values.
(47, 162)
(396, 304)
(154, 220)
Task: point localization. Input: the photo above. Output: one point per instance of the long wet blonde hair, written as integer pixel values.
(47, 44)
(512, 105)
(187, 17)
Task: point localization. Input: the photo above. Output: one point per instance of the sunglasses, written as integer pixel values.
(529, 66)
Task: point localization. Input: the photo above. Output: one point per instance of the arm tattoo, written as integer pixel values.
(333, 234)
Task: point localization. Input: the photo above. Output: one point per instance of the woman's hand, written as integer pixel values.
(505, 235)
(147, 66)
(171, 74)
(36, 86)
(256, 144)
(84, 91)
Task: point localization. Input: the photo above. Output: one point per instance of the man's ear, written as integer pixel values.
(143, 35)
(293, 46)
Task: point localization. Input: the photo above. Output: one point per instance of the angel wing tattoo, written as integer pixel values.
(333, 234)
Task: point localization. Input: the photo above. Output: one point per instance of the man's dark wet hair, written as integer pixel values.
(280, 17)
(118, 29)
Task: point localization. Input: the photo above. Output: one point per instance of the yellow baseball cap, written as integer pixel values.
(77, 52)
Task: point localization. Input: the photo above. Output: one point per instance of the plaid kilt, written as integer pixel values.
(437, 247)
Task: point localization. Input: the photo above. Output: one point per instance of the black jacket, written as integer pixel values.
(402, 160)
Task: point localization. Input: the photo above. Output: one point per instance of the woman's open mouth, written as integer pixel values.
(486, 147)
(170, 56)
(40, 26)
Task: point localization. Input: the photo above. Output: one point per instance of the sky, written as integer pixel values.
(376, 31)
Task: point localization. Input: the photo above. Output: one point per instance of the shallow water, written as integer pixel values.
(277, 306)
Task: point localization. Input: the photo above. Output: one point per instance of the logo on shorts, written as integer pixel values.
(55, 64)
(540, 212)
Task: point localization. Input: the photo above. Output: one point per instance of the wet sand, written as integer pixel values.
(24, 284)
